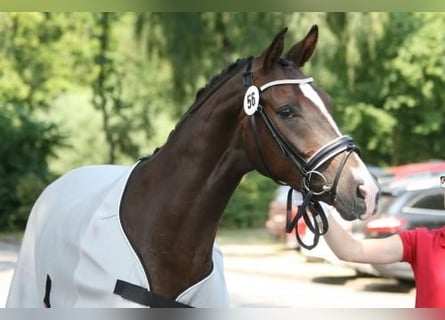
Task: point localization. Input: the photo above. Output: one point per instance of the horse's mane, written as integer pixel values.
(203, 92)
(223, 73)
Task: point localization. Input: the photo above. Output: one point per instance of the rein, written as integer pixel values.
(307, 168)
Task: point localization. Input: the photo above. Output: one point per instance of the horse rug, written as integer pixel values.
(74, 237)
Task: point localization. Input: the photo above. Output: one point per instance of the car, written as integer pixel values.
(323, 253)
(416, 169)
(276, 225)
(406, 204)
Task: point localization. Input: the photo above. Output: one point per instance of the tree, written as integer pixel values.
(390, 100)
(27, 83)
(414, 87)
(384, 71)
(193, 59)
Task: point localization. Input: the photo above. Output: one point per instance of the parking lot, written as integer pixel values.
(261, 272)
(266, 274)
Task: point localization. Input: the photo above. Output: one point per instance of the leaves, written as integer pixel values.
(384, 70)
(25, 146)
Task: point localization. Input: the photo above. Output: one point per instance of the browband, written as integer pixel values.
(285, 81)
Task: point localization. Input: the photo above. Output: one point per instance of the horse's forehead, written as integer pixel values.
(288, 93)
(310, 93)
(317, 99)
(286, 70)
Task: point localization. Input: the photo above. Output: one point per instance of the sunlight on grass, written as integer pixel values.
(245, 236)
(258, 236)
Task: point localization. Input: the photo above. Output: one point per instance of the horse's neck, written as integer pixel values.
(173, 202)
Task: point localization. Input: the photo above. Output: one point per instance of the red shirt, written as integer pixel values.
(425, 250)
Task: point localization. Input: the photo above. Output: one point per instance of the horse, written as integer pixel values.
(144, 235)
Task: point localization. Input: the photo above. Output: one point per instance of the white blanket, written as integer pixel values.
(74, 235)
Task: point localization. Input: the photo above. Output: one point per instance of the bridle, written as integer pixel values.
(307, 168)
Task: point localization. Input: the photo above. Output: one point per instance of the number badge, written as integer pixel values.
(251, 100)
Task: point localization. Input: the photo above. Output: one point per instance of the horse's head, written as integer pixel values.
(290, 135)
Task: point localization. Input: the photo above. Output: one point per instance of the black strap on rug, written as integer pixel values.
(140, 295)
(46, 299)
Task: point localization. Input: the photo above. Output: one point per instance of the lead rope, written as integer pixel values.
(310, 219)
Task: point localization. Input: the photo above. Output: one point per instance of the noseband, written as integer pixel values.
(307, 168)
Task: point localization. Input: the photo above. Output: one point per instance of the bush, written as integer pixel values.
(249, 205)
(28, 189)
(24, 148)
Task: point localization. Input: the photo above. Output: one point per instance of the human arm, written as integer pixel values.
(374, 251)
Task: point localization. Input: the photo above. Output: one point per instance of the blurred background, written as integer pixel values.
(83, 88)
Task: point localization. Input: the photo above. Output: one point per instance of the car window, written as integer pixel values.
(430, 201)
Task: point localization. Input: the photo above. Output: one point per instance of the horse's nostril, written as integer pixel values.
(361, 191)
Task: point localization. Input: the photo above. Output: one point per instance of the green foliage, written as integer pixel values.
(371, 128)
(223, 37)
(127, 89)
(415, 90)
(25, 146)
(35, 63)
(29, 81)
(392, 91)
(385, 72)
(249, 205)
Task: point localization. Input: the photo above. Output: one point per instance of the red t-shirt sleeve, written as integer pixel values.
(409, 242)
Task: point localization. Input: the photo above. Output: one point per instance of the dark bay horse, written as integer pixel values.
(144, 235)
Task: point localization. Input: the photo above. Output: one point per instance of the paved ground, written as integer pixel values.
(271, 276)
(263, 273)
(8, 257)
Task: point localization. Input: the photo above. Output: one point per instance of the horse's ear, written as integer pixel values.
(273, 53)
(302, 51)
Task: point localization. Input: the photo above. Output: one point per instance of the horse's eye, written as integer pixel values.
(287, 112)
